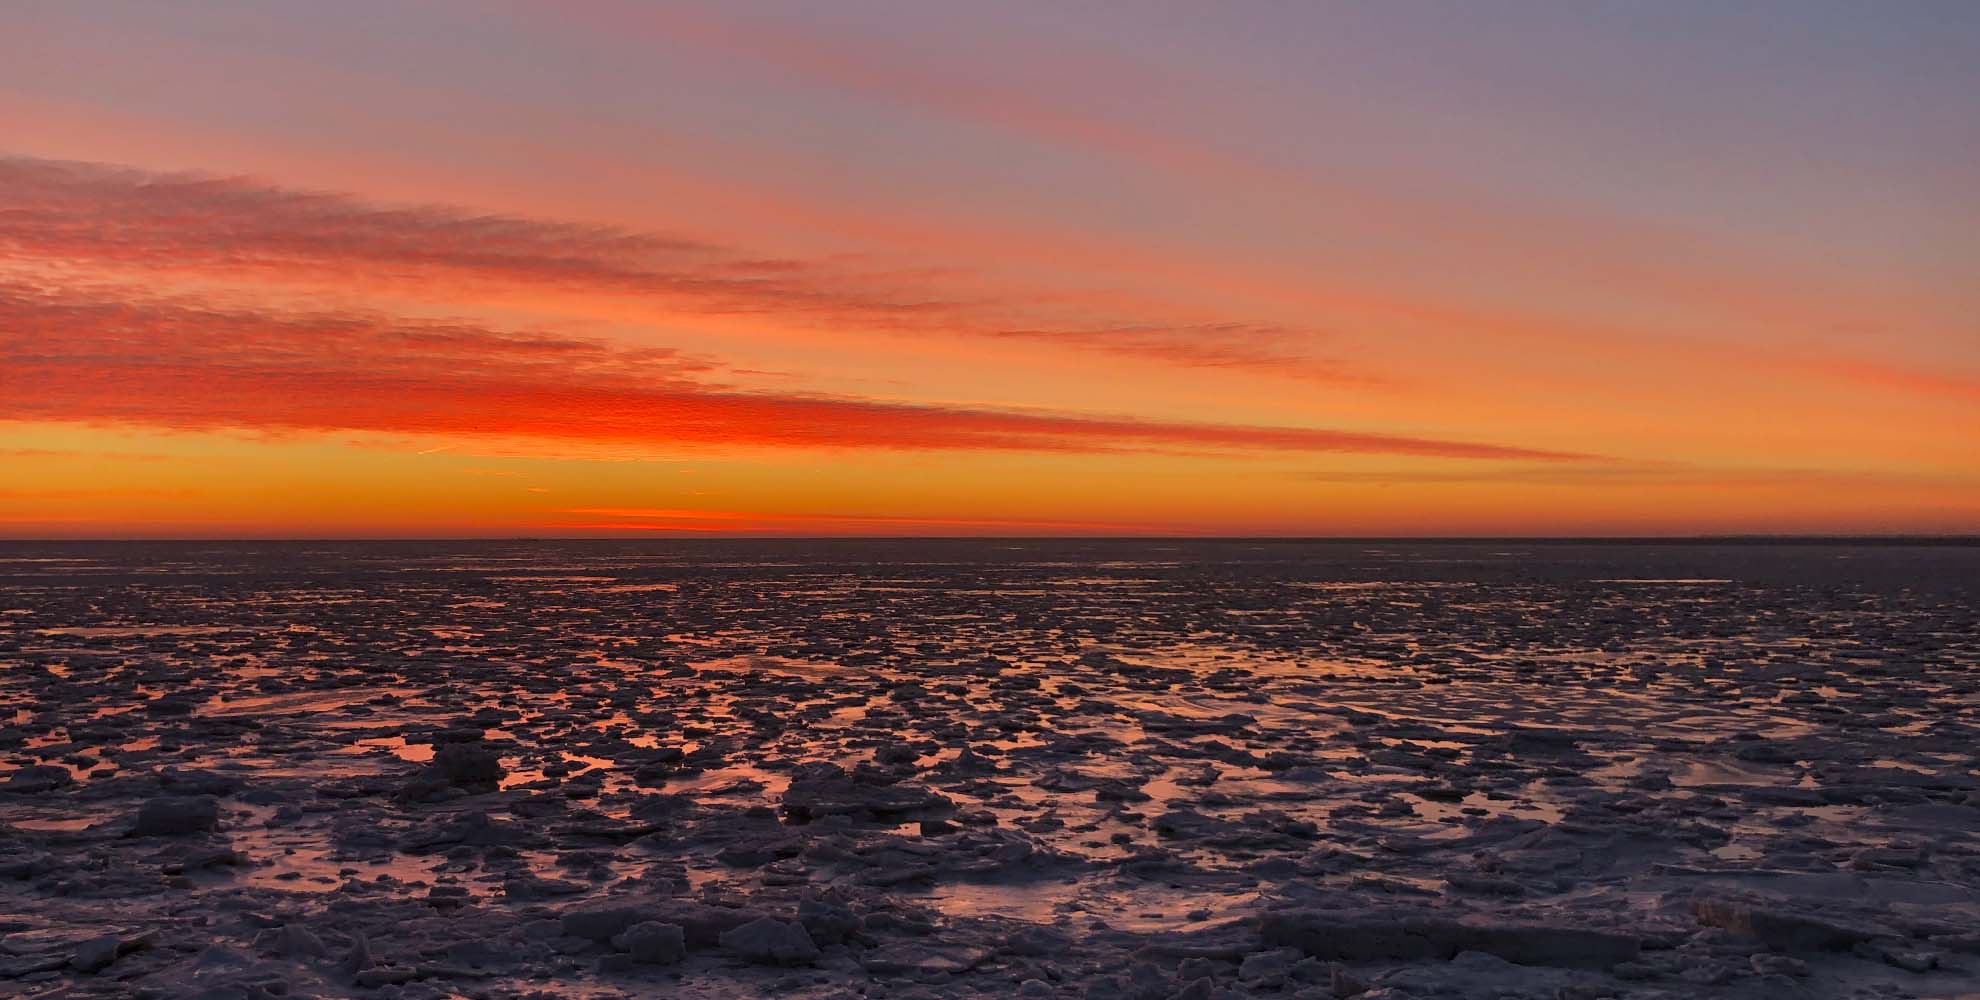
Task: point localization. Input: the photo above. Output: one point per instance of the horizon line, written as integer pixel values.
(1903, 538)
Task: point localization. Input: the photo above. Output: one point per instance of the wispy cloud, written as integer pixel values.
(1630, 474)
(891, 74)
(1239, 346)
(1956, 384)
(211, 230)
(111, 358)
(231, 229)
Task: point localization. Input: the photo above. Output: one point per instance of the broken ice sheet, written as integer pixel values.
(1051, 768)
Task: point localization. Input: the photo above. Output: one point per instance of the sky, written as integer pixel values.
(494, 268)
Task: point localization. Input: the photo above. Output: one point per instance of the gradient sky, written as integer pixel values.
(592, 267)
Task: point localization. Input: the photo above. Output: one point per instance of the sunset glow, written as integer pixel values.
(601, 268)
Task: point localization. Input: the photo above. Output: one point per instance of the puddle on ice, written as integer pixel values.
(258, 706)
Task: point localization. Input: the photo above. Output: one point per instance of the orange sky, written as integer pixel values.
(463, 269)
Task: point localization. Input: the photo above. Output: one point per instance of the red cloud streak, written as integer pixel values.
(70, 357)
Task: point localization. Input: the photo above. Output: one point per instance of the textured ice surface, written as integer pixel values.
(1105, 769)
